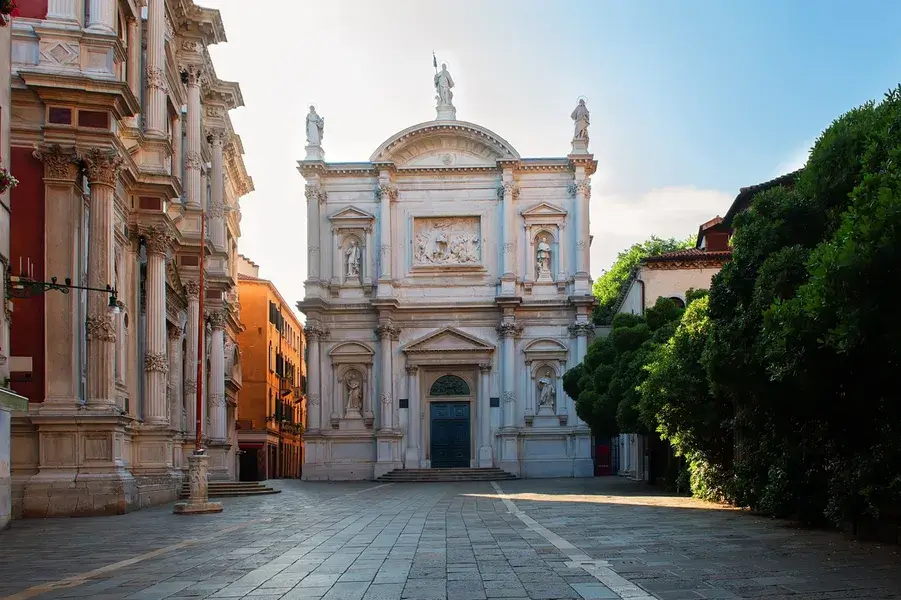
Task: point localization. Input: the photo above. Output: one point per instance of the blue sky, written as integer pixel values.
(689, 100)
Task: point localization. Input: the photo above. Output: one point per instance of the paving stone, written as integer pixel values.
(447, 542)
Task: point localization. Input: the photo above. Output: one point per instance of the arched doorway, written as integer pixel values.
(449, 401)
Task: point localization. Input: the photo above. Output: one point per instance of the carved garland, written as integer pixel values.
(509, 397)
(99, 327)
(156, 361)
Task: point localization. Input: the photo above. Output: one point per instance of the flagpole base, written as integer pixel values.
(198, 501)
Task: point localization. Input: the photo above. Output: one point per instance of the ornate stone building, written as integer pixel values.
(448, 291)
(122, 139)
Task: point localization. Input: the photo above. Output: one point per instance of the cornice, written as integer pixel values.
(87, 92)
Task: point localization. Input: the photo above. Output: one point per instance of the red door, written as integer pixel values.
(602, 460)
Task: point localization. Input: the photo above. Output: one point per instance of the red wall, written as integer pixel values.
(26, 240)
(34, 9)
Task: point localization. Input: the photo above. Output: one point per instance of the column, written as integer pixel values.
(102, 15)
(530, 254)
(510, 191)
(337, 267)
(103, 173)
(192, 290)
(217, 377)
(176, 146)
(315, 195)
(582, 191)
(155, 99)
(193, 157)
(508, 330)
(217, 210)
(367, 255)
(63, 10)
(176, 374)
(386, 414)
(414, 418)
(133, 71)
(386, 193)
(156, 359)
(314, 398)
(484, 412)
(63, 218)
(563, 249)
(580, 329)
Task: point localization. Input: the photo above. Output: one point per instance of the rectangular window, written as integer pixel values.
(93, 118)
(59, 115)
(150, 203)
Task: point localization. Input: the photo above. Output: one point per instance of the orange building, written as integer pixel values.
(271, 405)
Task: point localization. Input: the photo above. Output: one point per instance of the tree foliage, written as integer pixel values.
(608, 286)
(780, 388)
(606, 385)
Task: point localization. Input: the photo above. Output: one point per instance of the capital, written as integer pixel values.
(580, 328)
(386, 190)
(485, 367)
(103, 167)
(509, 329)
(508, 187)
(313, 332)
(192, 289)
(156, 240)
(174, 333)
(387, 331)
(412, 369)
(216, 318)
(192, 75)
(580, 187)
(315, 193)
(216, 136)
(58, 163)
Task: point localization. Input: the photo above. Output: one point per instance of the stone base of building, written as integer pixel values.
(339, 456)
(219, 469)
(80, 495)
(556, 452)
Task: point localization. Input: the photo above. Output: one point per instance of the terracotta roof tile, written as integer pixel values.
(689, 254)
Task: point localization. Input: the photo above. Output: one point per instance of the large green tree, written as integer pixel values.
(610, 284)
(788, 318)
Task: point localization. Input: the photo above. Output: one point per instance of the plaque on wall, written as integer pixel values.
(403, 403)
(494, 402)
(447, 242)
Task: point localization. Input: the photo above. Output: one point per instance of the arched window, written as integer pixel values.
(679, 301)
(449, 385)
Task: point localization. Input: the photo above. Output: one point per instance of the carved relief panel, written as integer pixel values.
(447, 242)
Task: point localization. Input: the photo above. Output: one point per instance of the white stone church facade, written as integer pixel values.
(448, 292)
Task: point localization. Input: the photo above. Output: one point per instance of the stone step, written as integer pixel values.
(231, 489)
(444, 475)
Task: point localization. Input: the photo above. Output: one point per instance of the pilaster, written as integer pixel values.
(156, 359)
(62, 233)
(192, 290)
(193, 158)
(155, 100)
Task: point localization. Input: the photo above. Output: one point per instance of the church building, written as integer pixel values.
(448, 291)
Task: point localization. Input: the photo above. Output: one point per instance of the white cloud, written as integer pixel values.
(618, 221)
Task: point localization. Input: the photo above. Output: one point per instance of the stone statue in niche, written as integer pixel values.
(543, 258)
(315, 128)
(352, 261)
(547, 393)
(450, 241)
(354, 393)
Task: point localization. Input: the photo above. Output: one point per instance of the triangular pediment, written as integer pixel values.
(449, 339)
(351, 213)
(544, 210)
(545, 345)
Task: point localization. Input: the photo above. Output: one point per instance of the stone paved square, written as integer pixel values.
(601, 538)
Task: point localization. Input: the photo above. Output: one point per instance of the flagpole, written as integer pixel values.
(198, 409)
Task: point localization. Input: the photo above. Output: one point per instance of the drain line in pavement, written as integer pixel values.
(599, 569)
